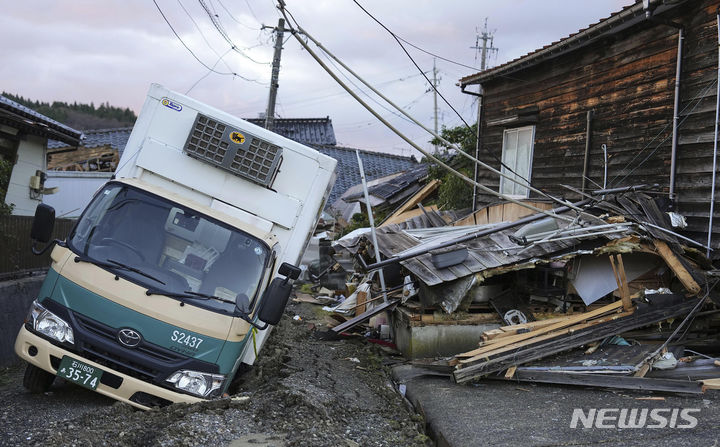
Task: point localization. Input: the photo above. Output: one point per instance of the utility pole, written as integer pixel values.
(435, 107)
(485, 36)
(270, 112)
(485, 49)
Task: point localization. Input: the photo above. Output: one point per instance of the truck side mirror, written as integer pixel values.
(42, 228)
(289, 270)
(277, 294)
(43, 223)
(274, 301)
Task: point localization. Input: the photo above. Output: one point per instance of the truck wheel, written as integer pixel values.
(37, 380)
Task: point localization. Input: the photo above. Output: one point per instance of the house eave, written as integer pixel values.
(617, 22)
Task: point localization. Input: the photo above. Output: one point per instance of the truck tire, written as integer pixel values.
(37, 380)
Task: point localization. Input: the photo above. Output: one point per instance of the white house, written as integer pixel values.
(24, 135)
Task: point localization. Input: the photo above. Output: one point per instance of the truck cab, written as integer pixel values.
(177, 269)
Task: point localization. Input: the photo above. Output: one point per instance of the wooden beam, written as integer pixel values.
(676, 266)
(412, 202)
(621, 279)
(553, 327)
(537, 350)
(610, 381)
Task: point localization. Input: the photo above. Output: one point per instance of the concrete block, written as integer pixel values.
(15, 299)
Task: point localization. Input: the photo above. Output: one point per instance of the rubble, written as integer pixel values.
(611, 295)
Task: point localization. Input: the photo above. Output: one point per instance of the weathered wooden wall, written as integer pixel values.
(627, 80)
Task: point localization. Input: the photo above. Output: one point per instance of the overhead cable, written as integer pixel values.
(523, 183)
(408, 140)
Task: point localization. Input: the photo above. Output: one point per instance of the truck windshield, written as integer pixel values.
(165, 246)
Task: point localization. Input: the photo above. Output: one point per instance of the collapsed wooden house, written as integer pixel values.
(629, 100)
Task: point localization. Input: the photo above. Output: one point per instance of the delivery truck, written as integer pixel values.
(179, 266)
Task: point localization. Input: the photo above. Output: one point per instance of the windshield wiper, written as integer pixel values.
(79, 258)
(209, 297)
(113, 264)
(187, 294)
(133, 269)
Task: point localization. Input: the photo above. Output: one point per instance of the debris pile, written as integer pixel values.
(603, 292)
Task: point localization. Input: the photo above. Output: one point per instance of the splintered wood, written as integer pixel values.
(502, 349)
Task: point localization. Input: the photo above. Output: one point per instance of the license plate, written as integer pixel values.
(80, 373)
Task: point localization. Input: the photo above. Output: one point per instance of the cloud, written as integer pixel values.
(112, 50)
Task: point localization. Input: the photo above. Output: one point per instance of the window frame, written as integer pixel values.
(505, 182)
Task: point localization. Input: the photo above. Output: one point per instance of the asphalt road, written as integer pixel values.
(501, 413)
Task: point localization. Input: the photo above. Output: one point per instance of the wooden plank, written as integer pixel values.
(505, 331)
(535, 351)
(711, 384)
(365, 316)
(676, 266)
(412, 202)
(643, 370)
(553, 327)
(361, 299)
(510, 372)
(495, 350)
(610, 381)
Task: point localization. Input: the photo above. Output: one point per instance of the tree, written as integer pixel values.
(455, 193)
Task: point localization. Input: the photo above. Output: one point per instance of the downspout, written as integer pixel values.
(676, 118)
(715, 145)
(478, 142)
(586, 162)
(676, 105)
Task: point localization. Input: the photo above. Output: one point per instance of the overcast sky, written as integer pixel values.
(111, 50)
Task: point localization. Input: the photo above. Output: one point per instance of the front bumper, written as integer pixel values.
(129, 389)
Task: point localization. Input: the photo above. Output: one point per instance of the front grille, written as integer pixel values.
(125, 366)
(110, 333)
(236, 151)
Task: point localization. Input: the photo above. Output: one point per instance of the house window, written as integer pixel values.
(517, 155)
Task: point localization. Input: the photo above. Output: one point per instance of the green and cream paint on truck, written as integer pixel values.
(178, 267)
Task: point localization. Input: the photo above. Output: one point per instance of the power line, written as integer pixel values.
(209, 72)
(202, 34)
(397, 39)
(188, 48)
(697, 99)
(296, 34)
(214, 19)
(236, 20)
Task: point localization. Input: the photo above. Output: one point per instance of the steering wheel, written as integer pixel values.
(125, 245)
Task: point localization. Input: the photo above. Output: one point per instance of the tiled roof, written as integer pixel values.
(47, 126)
(302, 130)
(115, 138)
(375, 164)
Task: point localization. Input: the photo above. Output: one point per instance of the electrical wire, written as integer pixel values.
(209, 72)
(495, 157)
(234, 19)
(526, 184)
(201, 33)
(404, 137)
(214, 19)
(697, 99)
(188, 48)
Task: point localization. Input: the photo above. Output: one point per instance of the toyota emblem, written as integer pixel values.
(129, 338)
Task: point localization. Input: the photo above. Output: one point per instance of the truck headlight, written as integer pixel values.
(198, 383)
(49, 324)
